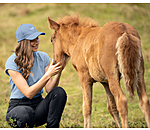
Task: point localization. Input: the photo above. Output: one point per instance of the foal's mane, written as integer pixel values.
(75, 19)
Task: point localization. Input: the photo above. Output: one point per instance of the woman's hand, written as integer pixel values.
(54, 69)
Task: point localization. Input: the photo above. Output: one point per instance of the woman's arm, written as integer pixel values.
(52, 83)
(31, 91)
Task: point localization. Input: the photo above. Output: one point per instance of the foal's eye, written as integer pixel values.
(51, 40)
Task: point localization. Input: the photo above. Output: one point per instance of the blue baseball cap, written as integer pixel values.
(27, 31)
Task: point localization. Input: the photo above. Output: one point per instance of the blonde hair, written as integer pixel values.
(24, 54)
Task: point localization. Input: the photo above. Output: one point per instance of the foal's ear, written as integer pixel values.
(53, 24)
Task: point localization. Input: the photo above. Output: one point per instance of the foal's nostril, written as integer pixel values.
(54, 62)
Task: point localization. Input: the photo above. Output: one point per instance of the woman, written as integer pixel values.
(29, 70)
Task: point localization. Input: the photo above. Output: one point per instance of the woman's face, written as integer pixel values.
(34, 44)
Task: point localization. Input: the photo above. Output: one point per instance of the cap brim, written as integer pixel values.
(34, 35)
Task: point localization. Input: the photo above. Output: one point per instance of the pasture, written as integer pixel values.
(12, 15)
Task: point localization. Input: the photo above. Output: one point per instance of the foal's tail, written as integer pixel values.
(129, 55)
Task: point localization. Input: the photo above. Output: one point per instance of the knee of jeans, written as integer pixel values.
(22, 115)
(61, 92)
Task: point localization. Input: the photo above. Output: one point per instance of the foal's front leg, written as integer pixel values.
(87, 105)
(87, 100)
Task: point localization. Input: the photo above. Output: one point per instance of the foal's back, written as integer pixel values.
(100, 44)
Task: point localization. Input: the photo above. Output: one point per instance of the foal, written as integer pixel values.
(103, 54)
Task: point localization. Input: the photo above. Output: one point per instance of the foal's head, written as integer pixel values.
(64, 37)
(57, 40)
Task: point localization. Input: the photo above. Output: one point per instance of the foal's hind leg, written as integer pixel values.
(114, 86)
(111, 105)
(143, 99)
(144, 102)
(121, 99)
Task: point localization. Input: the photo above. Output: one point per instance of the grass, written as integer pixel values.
(12, 15)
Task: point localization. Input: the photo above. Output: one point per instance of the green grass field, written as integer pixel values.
(12, 15)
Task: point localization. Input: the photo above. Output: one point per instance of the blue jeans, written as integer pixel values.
(37, 111)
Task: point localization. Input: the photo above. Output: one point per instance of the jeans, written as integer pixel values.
(37, 111)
